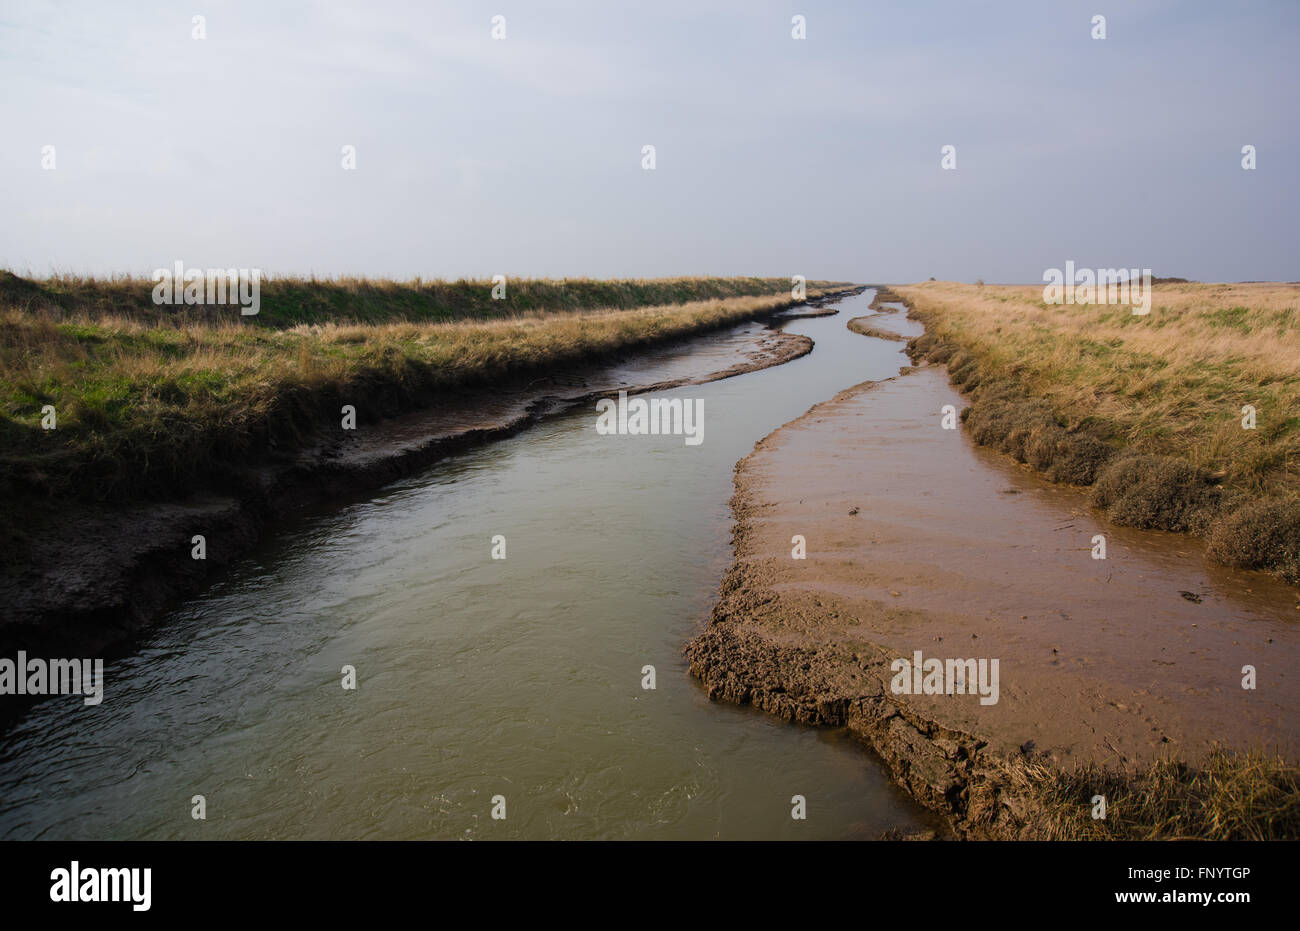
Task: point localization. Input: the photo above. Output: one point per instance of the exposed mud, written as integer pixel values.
(866, 327)
(101, 573)
(919, 541)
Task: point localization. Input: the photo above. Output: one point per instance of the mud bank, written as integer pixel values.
(865, 326)
(919, 541)
(103, 573)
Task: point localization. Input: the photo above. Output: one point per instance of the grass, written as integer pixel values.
(1231, 796)
(289, 302)
(1145, 409)
(153, 402)
(885, 295)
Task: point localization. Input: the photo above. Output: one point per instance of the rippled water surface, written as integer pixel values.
(476, 677)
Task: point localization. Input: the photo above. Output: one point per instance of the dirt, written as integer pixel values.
(100, 574)
(865, 327)
(917, 540)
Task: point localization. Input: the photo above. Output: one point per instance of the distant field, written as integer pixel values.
(1146, 409)
(287, 302)
(152, 399)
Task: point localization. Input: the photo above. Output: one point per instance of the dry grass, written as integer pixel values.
(1066, 388)
(885, 295)
(287, 302)
(1260, 535)
(1232, 796)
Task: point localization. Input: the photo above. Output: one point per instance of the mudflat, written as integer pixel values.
(916, 540)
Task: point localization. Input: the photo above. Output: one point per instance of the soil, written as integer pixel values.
(918, 540)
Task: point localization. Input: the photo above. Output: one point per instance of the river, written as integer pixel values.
(516, 679)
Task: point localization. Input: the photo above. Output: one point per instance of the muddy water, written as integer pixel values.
(476, 677)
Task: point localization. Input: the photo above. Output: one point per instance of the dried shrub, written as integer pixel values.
(1155, 493)
(1262, 534)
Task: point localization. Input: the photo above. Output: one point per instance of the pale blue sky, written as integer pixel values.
(774, 156)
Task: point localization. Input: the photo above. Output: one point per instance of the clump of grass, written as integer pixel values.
(1260, 534)
(964, 370)
(1027, 429)
(1156, 493)
(1073, 458)
(1231, 796)
(885, 295)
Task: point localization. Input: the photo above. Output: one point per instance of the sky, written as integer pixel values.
(774, 156)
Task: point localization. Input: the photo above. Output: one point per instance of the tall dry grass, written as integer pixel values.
(1149, 408)
(1229, 797)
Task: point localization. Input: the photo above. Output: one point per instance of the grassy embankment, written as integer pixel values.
(152, 400)
(1147, 410)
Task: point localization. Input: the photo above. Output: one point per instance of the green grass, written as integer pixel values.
(152, 401)
(288, 302)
